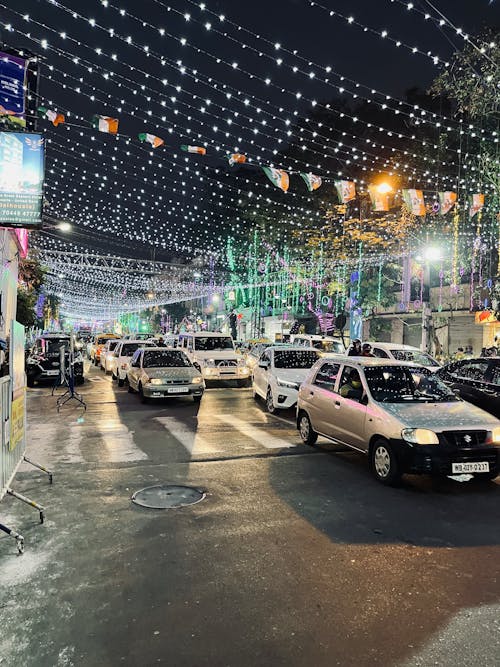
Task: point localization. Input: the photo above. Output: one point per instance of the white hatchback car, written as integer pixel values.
(400, 352)
(279, 374)
(122, 355)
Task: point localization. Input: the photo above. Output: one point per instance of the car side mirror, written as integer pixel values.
(456, 392)
(364, 399)
(263, 364)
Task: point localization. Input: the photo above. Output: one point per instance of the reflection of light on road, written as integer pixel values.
(118, 440)
(253, 432)
(195, 443)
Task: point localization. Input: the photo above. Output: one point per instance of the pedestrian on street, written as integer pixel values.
(161, 342)
(366, 350)
(355, 349)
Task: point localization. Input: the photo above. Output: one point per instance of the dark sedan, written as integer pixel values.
(477, 381)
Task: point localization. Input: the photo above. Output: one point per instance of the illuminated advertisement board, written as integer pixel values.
(13, 89)
(21, 179)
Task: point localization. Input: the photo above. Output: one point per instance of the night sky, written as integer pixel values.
(115, 190)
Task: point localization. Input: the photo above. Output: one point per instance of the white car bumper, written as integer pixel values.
(225, 372)
(284, 397)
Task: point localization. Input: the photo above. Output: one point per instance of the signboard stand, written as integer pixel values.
(13, 432)
(70, 394)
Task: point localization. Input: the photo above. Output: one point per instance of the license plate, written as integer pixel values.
(477, 466)
(157, 393)
(178, 390)
(51, 372)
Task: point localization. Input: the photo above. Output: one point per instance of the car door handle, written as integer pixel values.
(337, 403)
(311, 393)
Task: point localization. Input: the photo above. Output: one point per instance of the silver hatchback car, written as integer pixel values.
(401, 415)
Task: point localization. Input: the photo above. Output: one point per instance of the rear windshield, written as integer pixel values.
(295, 358)
(162, 358)
(128, 349)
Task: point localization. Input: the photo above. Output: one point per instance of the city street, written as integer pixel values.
(296, 556)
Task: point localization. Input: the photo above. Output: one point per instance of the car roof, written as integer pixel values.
(55, 335)
(135, 340)
(206, 334)
(317, 337)
(368, 361)
(393, 346)
(292, 348)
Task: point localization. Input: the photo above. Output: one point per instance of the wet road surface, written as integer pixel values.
(295, 557)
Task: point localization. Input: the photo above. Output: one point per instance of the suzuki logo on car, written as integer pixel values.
(467, 439)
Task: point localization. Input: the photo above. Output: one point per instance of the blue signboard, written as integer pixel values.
(13, 88)
(21, 179)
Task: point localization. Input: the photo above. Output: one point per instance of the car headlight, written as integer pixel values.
(494, 438)
(420, 436)
(286, 383)
(197, 380)
(208, 362)
(242, 362)
(156, 381)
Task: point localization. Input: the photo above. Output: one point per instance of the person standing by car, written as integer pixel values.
(366, 350)
(355, 349)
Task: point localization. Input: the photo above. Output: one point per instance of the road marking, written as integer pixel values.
(260, 435)
(188, 436)
(119, 441)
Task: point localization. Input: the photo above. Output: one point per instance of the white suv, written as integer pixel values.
(404, 353)
(279, 374)
(214, 355)
(122, 355)
(321, 343)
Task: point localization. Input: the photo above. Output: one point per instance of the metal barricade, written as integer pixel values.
(9, 458)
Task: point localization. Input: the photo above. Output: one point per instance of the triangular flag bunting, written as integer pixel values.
(54, 117)
(151, 139)
(312, 181)
(236, 158)
(194, 149)
(278, 177)
(414, 199)
(447, 201)
(105, 124)
(346, 191)
(476, 204)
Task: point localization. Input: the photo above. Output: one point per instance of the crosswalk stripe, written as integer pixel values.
(188, 437)
(254, 433)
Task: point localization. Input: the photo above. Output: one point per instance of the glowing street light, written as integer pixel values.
(433, 254)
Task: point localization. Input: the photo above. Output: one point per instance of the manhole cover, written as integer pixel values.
(167, 496)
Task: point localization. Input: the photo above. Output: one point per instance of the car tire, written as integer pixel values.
(255, 395)
(121, 382)
(130, 390)
(30, 381)
(113, 377)
(384, 464)
(307, 433)
(271, 408)
(144, 399)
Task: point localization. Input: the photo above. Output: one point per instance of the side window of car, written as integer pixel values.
(266, 356)
(381, 354)
(472, 370)
(495, 375)
(327, 376)
(134, 360)
(189, 344)
(350, 384)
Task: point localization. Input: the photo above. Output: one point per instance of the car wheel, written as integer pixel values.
(270, 403)
(130, 390)
(307, 433)
(384, 464)
(196, 399)
(30, 381)
(121, 382)
(144, 399)
(255, 395)
(113, 377)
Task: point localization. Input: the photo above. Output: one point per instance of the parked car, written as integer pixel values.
(403, 353)
(402, 416)
(161, 372)
(120, 363)
(279, 373)
(476, 380)
(97, 346)
(214, 356)
(107, 355)
(321, 343)
(44, 359)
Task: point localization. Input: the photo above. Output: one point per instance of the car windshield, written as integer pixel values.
(399, 384)
(212, 343)
(295, 358)
(54, 344)
(328, 345)
(165, 359)
(415, 356)
(128, 349)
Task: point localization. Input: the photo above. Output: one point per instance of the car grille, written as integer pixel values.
(465, 438)
(175, 381)
(227, 363)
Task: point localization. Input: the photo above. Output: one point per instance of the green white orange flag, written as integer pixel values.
(194, 149)
(312, 181)
(447, 201)
(476, 204)
(380, 200)
(346, 191)
(414, 199)
(151, 139)
(54, 117)
(278, 177)
(105, 124)
(236, 158)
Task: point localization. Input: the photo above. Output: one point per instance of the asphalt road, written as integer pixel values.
(295, 557)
